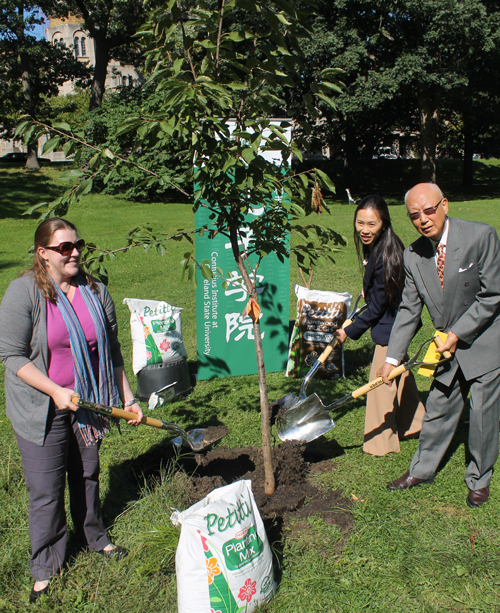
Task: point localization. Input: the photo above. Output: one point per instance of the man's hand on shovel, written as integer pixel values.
(449, 345)
(444, 348)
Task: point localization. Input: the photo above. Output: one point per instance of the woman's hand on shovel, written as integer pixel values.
(341, 335)
(135, 408)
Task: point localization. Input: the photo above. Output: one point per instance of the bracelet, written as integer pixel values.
(129, 403)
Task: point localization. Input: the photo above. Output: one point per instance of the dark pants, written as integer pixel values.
(45, 468)
(442, 413)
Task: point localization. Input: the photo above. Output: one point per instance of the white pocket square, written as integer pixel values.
(464, 269)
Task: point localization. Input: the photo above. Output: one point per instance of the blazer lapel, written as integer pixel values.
(427, 268)
(451, 266)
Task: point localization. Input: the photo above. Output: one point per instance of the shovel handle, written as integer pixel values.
(399, 370)
(332, 344)
(128, 415)
(438, 341)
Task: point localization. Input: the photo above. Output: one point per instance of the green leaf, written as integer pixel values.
(20, 128)
(248, 154)
(328, 101)
(62, 125)
(326, 179)
(206, 271)
(51, 144)
(236, 36)
(283, 19)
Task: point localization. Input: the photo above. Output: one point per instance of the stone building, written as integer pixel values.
(71, 32)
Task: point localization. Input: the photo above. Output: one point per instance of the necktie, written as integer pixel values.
(441, 256)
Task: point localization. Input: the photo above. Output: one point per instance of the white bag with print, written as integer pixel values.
(156, 332)
(223, 561)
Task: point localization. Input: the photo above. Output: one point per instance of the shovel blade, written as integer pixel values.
(305, 421)
(201, 438)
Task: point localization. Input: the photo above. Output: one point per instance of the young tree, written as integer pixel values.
(219, 63)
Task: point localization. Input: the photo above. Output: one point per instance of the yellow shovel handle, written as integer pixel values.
(399, 370)
(331, 346)
(128, 415)
(438, 341)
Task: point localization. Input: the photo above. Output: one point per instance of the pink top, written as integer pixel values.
(61, 369)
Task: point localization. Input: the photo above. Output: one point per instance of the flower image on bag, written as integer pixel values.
(248, 590)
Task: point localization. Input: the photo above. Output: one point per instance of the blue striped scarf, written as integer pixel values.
(92, 426)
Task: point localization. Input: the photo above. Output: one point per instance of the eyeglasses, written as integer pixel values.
(431, 210)
(67, 247)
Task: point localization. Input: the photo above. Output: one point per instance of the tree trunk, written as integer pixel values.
(350, 158)
(32, 159)
(265, 417)
(468, 169)
(428, 104)
(100, 72)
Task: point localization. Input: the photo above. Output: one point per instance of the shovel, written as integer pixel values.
(197, 439)
(291, 400)
(310, 419)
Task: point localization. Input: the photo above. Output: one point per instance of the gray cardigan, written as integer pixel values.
(23, 339)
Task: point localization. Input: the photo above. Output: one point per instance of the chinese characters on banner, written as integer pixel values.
(225, 339)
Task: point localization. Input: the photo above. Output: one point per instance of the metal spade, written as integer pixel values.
(310, 418)
(198, 438)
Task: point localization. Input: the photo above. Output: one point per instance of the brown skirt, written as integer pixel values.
(392, 412)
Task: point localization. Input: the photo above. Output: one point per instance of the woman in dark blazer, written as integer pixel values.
(391, 412)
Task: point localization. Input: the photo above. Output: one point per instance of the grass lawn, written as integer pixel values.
(417, 551)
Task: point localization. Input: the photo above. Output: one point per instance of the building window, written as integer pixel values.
(82, 46)
(77, 49)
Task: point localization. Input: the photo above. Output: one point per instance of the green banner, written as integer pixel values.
(225, 339)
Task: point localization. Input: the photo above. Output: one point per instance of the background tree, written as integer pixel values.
(112, 25)
(30, 68)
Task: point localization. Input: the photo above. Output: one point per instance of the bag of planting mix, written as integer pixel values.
(156, 332)
(319, 314)
(223, 561)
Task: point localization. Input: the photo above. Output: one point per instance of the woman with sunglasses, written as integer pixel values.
(58, 336)
(391, 412)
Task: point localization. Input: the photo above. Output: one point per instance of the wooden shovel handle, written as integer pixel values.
(332, 344)
(438, 341)
(128, 415)
(399, 370)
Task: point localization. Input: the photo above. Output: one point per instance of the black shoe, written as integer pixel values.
(118, 553)
(405, 482)
(478, 497)
(34, 596)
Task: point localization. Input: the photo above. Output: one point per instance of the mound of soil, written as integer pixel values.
(295, 496)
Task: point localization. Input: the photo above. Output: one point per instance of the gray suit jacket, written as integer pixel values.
(23, 339)
(469, 304)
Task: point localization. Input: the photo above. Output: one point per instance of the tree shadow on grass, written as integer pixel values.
(127, 479)
(22, 189)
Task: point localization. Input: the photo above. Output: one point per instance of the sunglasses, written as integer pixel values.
(67, 247)
(431, 210)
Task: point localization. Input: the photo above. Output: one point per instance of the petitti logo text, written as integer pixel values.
(235, 515)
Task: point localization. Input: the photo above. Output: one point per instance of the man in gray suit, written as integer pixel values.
(465, 303)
